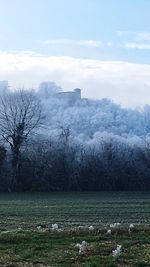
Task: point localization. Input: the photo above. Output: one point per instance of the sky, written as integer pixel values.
(101, 46)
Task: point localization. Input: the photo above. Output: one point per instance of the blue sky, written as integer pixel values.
(24, 24)
(101, 30)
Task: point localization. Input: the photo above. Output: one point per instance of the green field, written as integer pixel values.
(31, 247)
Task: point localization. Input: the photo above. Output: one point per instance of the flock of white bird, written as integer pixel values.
(83, 246)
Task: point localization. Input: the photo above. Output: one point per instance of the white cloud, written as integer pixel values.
(126, 83)
(137, 36)
(109, 44)
(69, 42)
(124, 33)
(136, 40)
(137, 45)
(142, 36)
(87, 43)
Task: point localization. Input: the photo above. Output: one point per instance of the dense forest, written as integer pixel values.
(53, 143)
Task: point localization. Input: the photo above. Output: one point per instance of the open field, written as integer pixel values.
(29, 246)
(29, 210)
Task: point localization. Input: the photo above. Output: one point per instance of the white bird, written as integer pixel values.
(131, 226)
(55, 227)
(82, 247)
(91, 228)
(116, 252)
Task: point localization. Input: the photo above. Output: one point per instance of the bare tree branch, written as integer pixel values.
(20, 115)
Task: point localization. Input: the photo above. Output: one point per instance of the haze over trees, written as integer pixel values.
(83, 144)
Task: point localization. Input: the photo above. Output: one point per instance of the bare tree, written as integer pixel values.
(20, 115)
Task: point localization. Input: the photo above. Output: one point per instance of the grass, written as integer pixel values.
(30, 247)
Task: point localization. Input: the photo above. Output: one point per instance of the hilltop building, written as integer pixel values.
(70, 96)
(48, 89)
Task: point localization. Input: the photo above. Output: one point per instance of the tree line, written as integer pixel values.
(32, 161)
